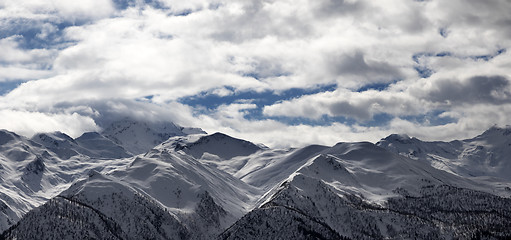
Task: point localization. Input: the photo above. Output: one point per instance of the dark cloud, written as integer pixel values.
(478, 89)
(264, 68)
(358, 65)
(347, 109)
(94, 61)
(488, 16)
(332, 8)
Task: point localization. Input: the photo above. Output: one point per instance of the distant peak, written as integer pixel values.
(5, 131)
(505, 131)
(221, 145)
(123, 124)
(90, 135)
(398, 137)
(355, 145)
(141, 136)
(57, 136)
(7, 136)
(214, 136)
(219, 135)
(355, 148)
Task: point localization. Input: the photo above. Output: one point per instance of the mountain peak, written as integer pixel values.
(496, 130)
(356, 148)
(400, 138)
(219, 135)
(95, 145)
(494, 136)
(90, 135)
(219, 144)
(202, 185)
(7, 136)
(140, 136)
(52, 137)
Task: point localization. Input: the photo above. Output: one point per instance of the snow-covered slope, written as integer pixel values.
(37, 169)
(139, 137)
(197, 186)
(179, 182)
(99, 207)
(361, 191)
(90, 144)
(487, 155)
(20, 167)
(222, 146)
(96, 145)
(163, 186)
(59, 143)
(270, 167)
(32, 172)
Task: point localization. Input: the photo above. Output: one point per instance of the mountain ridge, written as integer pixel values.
(483, 155)
(203, 186)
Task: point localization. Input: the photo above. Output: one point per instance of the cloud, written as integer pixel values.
(103, 60)
(361, 106)
(231, 119)
(251, 20)
(19, 64)
(335, 8)
(477, 89)
(28, 123)
(86, 9)
(358, 67)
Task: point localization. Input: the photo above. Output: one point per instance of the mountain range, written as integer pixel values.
(142, 180)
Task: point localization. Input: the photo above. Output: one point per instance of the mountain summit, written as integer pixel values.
(198, 186)
(486, 155)
(139, 137)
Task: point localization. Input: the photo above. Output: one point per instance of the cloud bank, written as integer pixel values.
(283, 73)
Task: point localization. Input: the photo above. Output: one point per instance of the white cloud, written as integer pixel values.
(359, 105)
(28, 123)
(12, 53)
(223, 47)
(23, 64)
(69, 10)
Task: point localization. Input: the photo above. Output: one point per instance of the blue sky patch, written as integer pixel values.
(212, 101)
(443, 32)
(29, 34)
(489, 56)
(123, 4)
(378, 120)
(6, 87)
(375, 86)
(423, 71)
(431, 118)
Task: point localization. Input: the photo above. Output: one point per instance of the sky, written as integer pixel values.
(278, 72)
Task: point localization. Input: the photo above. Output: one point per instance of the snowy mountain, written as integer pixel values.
(361, 191)
(33, 172)
(139, 137)
(486, 155)
(198, 186)
(91, 144)
(218, 144)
